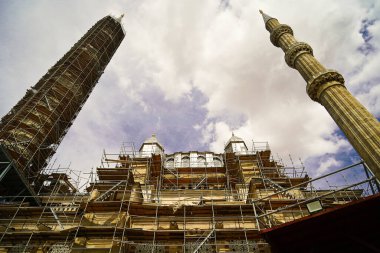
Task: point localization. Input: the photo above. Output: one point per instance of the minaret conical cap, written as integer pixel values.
(120, 18)
(266, 17)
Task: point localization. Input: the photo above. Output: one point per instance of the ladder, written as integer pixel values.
(276, 187)
(203, 241)
(108, 193)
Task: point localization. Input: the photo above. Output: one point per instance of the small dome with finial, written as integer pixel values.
(151, 144)
(235, 144)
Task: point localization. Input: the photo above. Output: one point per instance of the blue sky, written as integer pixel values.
(194, 71)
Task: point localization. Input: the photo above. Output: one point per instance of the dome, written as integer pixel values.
(152, 140)
(235, 144)
(234, 139)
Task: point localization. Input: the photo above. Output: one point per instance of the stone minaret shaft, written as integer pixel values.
(31, 132)
(326, 86)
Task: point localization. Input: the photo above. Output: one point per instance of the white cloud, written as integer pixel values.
(175, 47)
(326, 165)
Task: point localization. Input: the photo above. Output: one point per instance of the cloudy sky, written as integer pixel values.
(194, 71)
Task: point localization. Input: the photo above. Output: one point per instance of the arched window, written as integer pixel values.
(201, 161)
(185, 161)
(170, 163)
(217, 162)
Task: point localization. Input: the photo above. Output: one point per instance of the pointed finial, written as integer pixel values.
(233, 134)
(120, 18)
(265, 16)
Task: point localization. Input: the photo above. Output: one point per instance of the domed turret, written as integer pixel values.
(235, 144)
(151, 146)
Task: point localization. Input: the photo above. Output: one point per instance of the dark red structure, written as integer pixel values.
(353, 227)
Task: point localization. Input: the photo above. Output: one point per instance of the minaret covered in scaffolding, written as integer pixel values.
(32, 130)
(327, 87)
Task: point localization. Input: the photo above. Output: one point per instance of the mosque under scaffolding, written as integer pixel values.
(144, 200)
(147, 201)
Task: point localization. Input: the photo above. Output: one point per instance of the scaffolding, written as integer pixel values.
(154, 202)
(31, 132)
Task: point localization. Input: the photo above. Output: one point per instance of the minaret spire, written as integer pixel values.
(120, 18)
(266, 17)
(326, 87)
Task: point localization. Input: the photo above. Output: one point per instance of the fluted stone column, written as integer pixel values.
(327, 87)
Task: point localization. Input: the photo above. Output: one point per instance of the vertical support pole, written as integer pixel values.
(368, 172)
(256, 217)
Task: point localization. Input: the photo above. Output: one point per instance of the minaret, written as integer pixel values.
(326, 87)
(31, 132)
